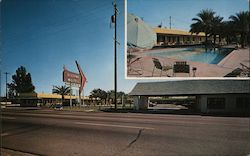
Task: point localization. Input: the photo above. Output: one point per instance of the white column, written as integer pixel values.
(136, 102)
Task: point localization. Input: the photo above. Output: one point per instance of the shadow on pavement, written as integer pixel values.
(176, 112)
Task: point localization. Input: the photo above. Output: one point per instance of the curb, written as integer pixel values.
(10, 152)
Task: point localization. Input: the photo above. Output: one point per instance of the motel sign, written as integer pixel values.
(71, 77)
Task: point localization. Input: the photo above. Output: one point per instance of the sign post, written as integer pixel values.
(75, 79)
(80, 99)
(70, 78)
(83, 81)
(70, 95)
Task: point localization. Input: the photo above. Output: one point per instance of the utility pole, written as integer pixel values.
(6, 82)
(1, 86)
(170, 22)
(113, 18)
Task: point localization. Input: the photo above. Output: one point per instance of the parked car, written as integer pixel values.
(58, 107)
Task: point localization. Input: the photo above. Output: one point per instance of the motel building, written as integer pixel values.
(211, 96)
(177, 37)
(46, 99)
(168, 37)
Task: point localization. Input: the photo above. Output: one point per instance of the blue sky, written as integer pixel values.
(182, 11)
(44, 35)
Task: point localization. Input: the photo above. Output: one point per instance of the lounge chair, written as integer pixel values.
(181, 67)
(235, 73)
(131, 59)
(157, 65)
(245, 70)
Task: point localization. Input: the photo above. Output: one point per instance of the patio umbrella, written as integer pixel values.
(139, 34)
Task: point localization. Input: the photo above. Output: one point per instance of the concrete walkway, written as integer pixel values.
(144, 66)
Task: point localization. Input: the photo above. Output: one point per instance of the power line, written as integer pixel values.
(66, 21)
(69, 26)
(182, 21)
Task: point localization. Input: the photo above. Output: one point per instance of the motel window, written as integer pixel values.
(216, 103)
(188, 38)
(242, 103)
(162, 38)
(193, 38)
(173, 39)
(200, 38)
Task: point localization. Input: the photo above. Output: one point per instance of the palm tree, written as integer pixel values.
(216, 27)
(203, 23)
(120, 95)
(104, 96)
(99, 93)
(226, 31)
(241, 25)
(62, 90)
(110, 96)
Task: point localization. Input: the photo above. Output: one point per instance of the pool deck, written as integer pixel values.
(144, 66)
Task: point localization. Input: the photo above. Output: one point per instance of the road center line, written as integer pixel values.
(111, 125)
(4, 134)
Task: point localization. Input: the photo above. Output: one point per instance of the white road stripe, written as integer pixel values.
(7, 117)
(4, 134)
(111, 125)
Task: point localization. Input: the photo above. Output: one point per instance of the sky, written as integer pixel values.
(155, 12)
(45, 35)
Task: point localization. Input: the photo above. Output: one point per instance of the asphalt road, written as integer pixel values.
(79, 134)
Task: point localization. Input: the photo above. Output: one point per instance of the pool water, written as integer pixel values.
(211, 56)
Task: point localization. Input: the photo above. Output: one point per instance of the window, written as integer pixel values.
(242, 103)
(160, 38)
(174, 39)
(216, 103)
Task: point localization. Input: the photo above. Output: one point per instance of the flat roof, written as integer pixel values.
(47, 96)
(191, 87)
(176, 32)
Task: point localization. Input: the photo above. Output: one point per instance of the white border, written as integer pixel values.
(162, 78)
(125, 38)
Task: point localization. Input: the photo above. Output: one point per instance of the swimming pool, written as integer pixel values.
(211, 56)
